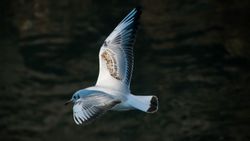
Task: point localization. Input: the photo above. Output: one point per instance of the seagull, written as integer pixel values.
(112, 89)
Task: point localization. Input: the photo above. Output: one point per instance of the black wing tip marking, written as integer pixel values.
(138, 10)
(137, 16)
(135, 24)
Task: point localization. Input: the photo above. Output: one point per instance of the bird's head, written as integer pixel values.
(74, 98)
(79, 94)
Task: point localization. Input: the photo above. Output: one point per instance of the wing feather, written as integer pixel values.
(116, 57)
(89, 107)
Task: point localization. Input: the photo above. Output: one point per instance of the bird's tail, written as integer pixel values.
(147, 104)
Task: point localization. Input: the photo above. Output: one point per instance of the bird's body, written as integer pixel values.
(117, 95)
(112, 89)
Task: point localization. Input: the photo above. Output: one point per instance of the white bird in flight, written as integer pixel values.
(112, 89)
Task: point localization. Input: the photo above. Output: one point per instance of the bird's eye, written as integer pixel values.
(74, 97)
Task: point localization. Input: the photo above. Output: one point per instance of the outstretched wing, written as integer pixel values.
(116, 54)
(89, 107)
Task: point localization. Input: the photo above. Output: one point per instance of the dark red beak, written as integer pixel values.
(66, 103)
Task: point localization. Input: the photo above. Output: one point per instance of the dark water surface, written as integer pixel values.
(193, 55)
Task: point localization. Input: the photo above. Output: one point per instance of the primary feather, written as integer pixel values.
(89, 107)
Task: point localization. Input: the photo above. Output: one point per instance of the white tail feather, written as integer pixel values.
(147, 104)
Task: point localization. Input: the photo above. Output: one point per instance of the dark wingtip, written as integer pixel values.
(138, 8)
(139, 11)
(153, 105)
(137, 17)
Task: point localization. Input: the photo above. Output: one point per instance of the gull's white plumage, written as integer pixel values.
(112, 89)
(120, 43)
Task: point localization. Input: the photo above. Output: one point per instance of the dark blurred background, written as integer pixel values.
(194, 55)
